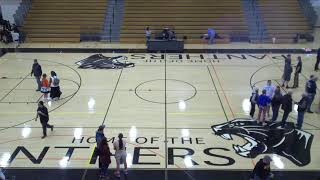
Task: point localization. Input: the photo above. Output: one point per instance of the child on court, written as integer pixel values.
(45, 86)
(263, 102)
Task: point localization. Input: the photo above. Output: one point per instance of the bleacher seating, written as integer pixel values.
(63, 20)
(186, 17)
(283, 19)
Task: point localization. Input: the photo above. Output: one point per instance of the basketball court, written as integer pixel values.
(177, 112)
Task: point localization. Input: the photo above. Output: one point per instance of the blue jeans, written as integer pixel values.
(300, 119)
(310, 100)
(38, 82)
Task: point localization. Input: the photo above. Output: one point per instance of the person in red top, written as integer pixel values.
(45, 86)
(104, 158)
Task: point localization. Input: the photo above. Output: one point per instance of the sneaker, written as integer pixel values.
(52, 128)
(309, 111)
(37, 89)
(43, 137)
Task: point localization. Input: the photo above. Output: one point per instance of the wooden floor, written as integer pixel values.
(165, 106)
(107, 45)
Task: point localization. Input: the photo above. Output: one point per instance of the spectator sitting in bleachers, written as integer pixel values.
(165, 33)
(7, 33)
(16, 34)
(168, 34)
(210, 36)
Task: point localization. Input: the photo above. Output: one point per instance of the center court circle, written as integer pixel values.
(163, 91)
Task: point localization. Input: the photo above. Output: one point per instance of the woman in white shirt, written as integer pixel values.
(120, 154)
(54, 82)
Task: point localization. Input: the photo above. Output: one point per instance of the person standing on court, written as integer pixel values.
(120, 154)
(263, 102)
(104, 158)
(287, 71)
(37, 72)
(43, 113)
(302, 107)
(316, 66)
(54, 83)
(99, 136)
(262, 169)
(254, 100)
(296, 73)
(276, 103)
(286, 106)
(269, 92)
(311, 89)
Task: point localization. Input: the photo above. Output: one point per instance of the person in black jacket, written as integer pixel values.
(311, 89)
(37, 72)
(316, 66)
(275, 103)
(43, 113)
(296, 73)
(286, 106)
(262, 170)
(253, 100)
(302, 107)
(104, 158)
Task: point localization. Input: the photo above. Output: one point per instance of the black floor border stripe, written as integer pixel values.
(142, 50)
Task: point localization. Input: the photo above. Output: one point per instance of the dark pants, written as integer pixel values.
(38, 82)
(45, 125)
(300, 119)
(284, 118)
(296, 80)
(55, 92)
(316, 66)
(275, 112)
(104, 169)
(310, 100)
(258, 178)
(253, 109)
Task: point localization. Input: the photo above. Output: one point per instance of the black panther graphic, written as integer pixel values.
(292, 143)
(99, 61)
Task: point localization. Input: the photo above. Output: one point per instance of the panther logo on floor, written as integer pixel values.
(292, 143)
(99, 61)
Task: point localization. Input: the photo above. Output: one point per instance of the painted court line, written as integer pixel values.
(14, 87)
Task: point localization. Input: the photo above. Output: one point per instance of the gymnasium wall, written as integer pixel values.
(9, 8)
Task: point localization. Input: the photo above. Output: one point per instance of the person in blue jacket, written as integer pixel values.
(263, 102)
